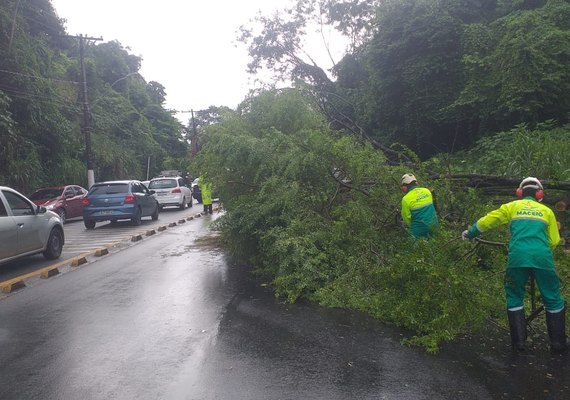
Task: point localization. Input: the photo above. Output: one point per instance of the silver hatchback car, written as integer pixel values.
(171, 191)
(27, 229)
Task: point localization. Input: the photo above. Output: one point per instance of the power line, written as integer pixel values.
(32, 96)
(38, 77)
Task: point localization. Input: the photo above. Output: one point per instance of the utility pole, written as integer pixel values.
(194, 136)
(194, 141)
(86, 126)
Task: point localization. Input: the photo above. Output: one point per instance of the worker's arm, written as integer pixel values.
(406, 212)
(495, 218)
(552, 231)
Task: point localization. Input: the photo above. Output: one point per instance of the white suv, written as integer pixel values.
(171, 191)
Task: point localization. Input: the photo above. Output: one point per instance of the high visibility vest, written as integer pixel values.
(534, 232)
(418, 212)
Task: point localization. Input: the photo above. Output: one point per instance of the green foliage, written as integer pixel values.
(434, 75)
(318, 215)
(517, 67)
(41, 141)
(543, 152)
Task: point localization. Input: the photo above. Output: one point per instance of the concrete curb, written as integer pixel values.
(77, 261)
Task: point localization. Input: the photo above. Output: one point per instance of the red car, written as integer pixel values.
(66, 201)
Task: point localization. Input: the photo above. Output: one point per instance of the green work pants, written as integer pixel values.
(546, 280)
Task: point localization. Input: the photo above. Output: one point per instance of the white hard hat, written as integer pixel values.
(531, 182)
(407, 179)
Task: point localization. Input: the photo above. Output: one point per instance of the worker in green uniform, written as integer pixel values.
(206, 188)
(534, 234)
(418, 211)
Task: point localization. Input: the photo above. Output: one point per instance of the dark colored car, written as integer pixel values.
(65, 201)
(116, 200)
(196, 191)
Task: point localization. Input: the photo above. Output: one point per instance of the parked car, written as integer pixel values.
(65, 201)
(26, 228)
(196, 191)
(171, 191)
(116, 200)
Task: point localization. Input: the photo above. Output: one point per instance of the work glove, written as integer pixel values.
(465, 235)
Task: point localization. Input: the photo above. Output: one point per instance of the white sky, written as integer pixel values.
(188, 46)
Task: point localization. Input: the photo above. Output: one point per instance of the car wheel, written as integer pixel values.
(62, 214)
(154, 215)
(183, 205)
(89, 224)
(190, 203)
(136, 220)
(54, 244)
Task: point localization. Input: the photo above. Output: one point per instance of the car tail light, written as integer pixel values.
(177, 190)
(85, 201)
(129, 199)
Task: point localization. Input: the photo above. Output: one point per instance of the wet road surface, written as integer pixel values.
(170, 318)
(79, 240)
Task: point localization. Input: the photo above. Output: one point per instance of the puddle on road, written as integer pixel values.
(211, 242)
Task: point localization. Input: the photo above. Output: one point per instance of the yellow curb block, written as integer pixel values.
(9, 287)
(189, 218)
(77, 261)
(6, 285)
(136, 238)
(150, 232)
(172, 224)
(48, 273)
(162, 228)
(101, 252)
(181, 221)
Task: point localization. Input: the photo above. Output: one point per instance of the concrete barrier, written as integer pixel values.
(181, 221)
(48, 273)
(12, 286)
(162, 228)
(101, 252)
(150, 232)
(170, 225)
(189, 218)
(77, 261)
(136, 238)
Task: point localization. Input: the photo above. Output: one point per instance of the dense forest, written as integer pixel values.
(41, 116)
(460, 92)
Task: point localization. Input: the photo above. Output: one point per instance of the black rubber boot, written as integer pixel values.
(517, 325)
(556, 324)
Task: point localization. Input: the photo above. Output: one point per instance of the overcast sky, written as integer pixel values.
(188, 46)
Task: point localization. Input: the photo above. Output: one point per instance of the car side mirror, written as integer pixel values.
(41, 210)
(152, 191)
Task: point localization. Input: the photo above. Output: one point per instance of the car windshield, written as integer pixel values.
(110, 188)
(162, 184)
(46, 194)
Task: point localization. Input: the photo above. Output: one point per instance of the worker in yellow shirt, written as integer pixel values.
(418, 211)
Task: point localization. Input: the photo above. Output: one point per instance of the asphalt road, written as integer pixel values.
(79, 240)
(171, 318)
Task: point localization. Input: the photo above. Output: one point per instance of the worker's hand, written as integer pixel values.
(465, 235)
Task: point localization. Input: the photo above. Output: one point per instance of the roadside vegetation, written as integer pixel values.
(317, 213)
(309, 176)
